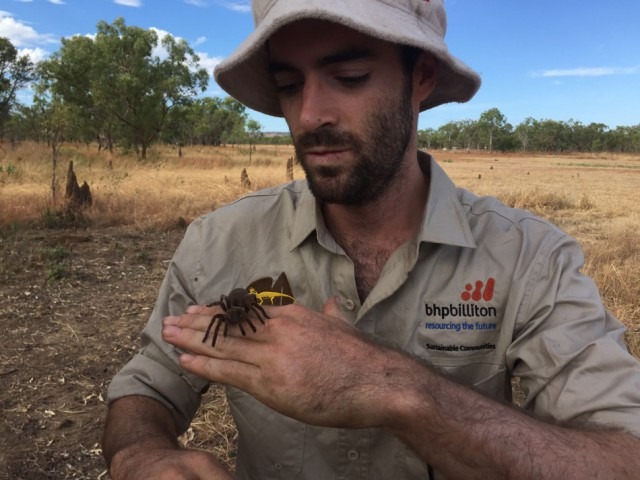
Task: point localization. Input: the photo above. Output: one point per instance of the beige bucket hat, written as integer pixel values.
(419, 23)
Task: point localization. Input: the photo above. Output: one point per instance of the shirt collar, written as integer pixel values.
(444, 221)
(307, 218)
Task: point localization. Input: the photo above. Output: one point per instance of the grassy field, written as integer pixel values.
(76, 288)
(149, 195)
(592, 197)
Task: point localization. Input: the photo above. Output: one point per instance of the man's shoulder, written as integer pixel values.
(261, 204)
(257, 220)
(492, 216)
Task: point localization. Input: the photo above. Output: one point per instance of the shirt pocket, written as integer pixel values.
(490, 379)
(270, 445)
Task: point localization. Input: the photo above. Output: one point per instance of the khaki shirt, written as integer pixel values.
(484, 294)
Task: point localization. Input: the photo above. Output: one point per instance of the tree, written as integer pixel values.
(52, 120)
(254, 131)
(448, 134)
(15, 73)
(424, 138)
(491, 123)
(467, 133)
(524, 130)
(215, 121)
(121, 86)
(67, 78)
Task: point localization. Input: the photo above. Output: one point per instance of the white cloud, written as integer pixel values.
(57, 2)
(21, 34)
(206, 62)
(35, 54)
(159, 51)
(589, 72)
(241, 6)
(200, 41)
(129, 3)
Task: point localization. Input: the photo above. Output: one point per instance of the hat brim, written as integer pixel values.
(245, 73)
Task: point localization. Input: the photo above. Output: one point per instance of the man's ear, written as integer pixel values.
(425, 76)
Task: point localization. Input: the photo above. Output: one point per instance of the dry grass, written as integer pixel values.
(159, 193)
(593, 198)
(213, 429)
(589, 196)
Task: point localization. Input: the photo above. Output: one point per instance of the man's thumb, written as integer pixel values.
(332, 308)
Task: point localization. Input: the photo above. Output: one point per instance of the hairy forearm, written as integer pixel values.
(140, 442)
(468, 436)
(137, 422)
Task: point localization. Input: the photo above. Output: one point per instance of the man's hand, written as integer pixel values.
(311, 366)
(167, 464)
(317, 368)
(139, 442)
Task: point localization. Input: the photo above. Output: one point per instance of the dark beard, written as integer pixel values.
(379, 155)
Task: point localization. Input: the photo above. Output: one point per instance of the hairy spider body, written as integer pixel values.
(236, 309)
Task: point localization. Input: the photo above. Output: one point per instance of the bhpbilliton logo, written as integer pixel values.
(480, 292)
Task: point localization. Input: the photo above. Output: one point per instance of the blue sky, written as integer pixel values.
(547, 59)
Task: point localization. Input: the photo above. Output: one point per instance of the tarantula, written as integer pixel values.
(236, 309)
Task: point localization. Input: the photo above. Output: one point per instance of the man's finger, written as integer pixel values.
(332, 308)
(202, 309)
(194, 321)
(229, 372)
(233, 346)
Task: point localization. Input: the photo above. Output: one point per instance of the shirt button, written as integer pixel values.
(353, 455)
(349, 304)
(278, 466)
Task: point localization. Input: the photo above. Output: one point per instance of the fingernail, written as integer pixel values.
(194, 309)
(187, 357)
(170, 330)
(170, 320)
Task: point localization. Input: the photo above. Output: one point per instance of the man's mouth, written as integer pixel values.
(326, 152)
(326, 157)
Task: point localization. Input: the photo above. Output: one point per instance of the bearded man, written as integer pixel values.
(399, 307)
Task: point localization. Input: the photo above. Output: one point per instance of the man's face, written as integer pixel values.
(348, 103)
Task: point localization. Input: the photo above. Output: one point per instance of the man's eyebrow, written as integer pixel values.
(346, 55)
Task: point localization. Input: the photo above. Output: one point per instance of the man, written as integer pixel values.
(415, 302)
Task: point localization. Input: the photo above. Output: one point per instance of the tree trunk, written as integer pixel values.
(54, 164)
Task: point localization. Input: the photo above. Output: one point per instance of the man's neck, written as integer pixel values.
(370, 233)
(398, 213)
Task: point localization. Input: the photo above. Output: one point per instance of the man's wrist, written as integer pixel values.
(407, 394)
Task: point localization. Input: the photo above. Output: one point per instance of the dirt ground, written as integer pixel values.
(72, 304)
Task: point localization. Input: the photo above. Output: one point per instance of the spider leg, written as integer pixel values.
(213, 320)
(215, 332)
(259, 310)
(241, 329)
(253, 327)
(226, 327)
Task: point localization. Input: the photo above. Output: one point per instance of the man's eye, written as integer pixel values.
(288, 88)
(353, 81)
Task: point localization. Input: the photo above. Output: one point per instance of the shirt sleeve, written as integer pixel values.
(154, 372)
(569, 351)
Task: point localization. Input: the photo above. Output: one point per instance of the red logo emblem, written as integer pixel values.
(476, 294)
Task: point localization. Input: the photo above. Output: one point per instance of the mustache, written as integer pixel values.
(325, 137)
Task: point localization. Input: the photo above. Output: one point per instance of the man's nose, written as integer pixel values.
(318, 108)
